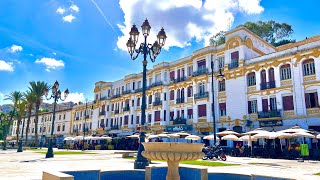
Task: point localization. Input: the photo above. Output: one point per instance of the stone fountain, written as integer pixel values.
(173, 153)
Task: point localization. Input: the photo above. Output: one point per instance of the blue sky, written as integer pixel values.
(81, 42)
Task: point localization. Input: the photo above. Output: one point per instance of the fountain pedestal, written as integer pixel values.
(173, 153)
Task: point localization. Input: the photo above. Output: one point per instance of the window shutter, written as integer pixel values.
(157, 115)
(265, 105)
(235, 55)
(171, 75)
(271, 74)
(172, 95)
(307, 100)
(126, 120)
(190, 111)
(201, 63)
(202, 110)
(316, 99)
(222, 106)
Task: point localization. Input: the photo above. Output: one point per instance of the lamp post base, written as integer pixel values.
(50, 150)
(141, 164)
(20, 146)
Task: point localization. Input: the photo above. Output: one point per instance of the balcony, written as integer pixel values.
(233, 65)
(116, 96)
(159, 83)
(270, 114)
(127, 108)
(201, 95)
(180, 121)
(181, 79)
(102, 113)
(77, 118)
(179, 100)
(157, 102)
(267, 85)
(138, 90)
(126, 92)
(200, 71)
(103, 98)
(116, 111)
(115, 127)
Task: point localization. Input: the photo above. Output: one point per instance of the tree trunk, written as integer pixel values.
(18, 128)
(36, 125)
(28, 123)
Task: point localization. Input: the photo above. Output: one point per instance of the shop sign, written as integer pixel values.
(271, 123)
(179, 128)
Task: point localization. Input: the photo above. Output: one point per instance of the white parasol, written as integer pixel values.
(246, 138)
(192, 137)
(230, 137)
(133, 136)
(163, 135)
(66, 139)
(227, 132)
(105, 137)
(77, 138)
(210, 137)
(294, 129)
(153, 136)
(318, 136)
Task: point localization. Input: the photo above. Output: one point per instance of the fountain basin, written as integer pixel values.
(173, 153)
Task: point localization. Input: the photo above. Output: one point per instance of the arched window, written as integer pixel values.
(251, 79)
(222, 85)
(189, 91)
(271, 75)
(263, 76)
(285, 72)
(182, 93)
(308, 67)
(172, 95)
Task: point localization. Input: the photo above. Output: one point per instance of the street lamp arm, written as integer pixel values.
(137, 52)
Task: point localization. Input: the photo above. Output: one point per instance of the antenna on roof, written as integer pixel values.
(229, 24)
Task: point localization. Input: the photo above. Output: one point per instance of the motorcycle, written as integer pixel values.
(214, 152)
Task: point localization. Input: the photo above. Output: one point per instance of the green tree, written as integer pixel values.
(38, 88)
(15, 97)
(21, 111)
(273, 32)
(31, 100)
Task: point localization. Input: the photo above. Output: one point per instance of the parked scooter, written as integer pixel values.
(214, 152)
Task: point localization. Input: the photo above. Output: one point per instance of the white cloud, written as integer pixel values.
(54, 53)
(74, 7)
(50, 63)
(15, 48)
(183, 20)
(69, 18)
(6, 66)
(60, 10)
(75, 97)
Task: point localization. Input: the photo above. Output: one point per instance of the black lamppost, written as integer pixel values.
(153, 51)
(85, 121)
(220, 77)
(56, 95)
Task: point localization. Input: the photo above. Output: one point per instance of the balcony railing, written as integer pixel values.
(127, 108)
(103, 98)
(179, 100)
(126, 92)
(159, 83)
(102, 113)
(181, 79)
(116, 96)
(200, 71)
(138, 90)
(116, 111)
(114, 127)
(233, 65)
(201, 95)
(157, 103)
(77, 118)
(87, 116)
(267, 85)
(180, 121)
(270, 114)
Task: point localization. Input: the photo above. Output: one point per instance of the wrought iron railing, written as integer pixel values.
(267, 85)
(201, 95)
(269, 114)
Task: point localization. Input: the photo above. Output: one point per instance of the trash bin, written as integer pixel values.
(304, 149)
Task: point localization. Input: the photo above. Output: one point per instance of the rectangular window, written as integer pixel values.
(157, 115)
(133, 85)
(138, 102)
(222, 86)
(202, 110)
(252, 106)
(222, 109)
(308, 68)
(139, 84)
(201, 64)
(172, 95)
(273, 104)
(171, 115)
(158, 77)
(190, 113)
(128, 86)
(311, 100)
(265, 105)
(131, 122)
(287, 102)
(251, 79)
(164, 115)
(285, 72)
(190, 70)
(137, 119)
(132, 103)
(221, 61)
(149, 118)
(171, 75)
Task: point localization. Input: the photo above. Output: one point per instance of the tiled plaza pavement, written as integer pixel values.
(29, 165)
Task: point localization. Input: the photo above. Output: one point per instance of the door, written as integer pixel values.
(265, 105)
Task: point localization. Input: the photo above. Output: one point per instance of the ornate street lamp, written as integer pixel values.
(20, 140)
(219, 77)
(153, 51)
(56, 95)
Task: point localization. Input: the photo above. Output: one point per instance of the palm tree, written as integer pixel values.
(31, 100)
(21, 112)
(38, 88)
(16, 97)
